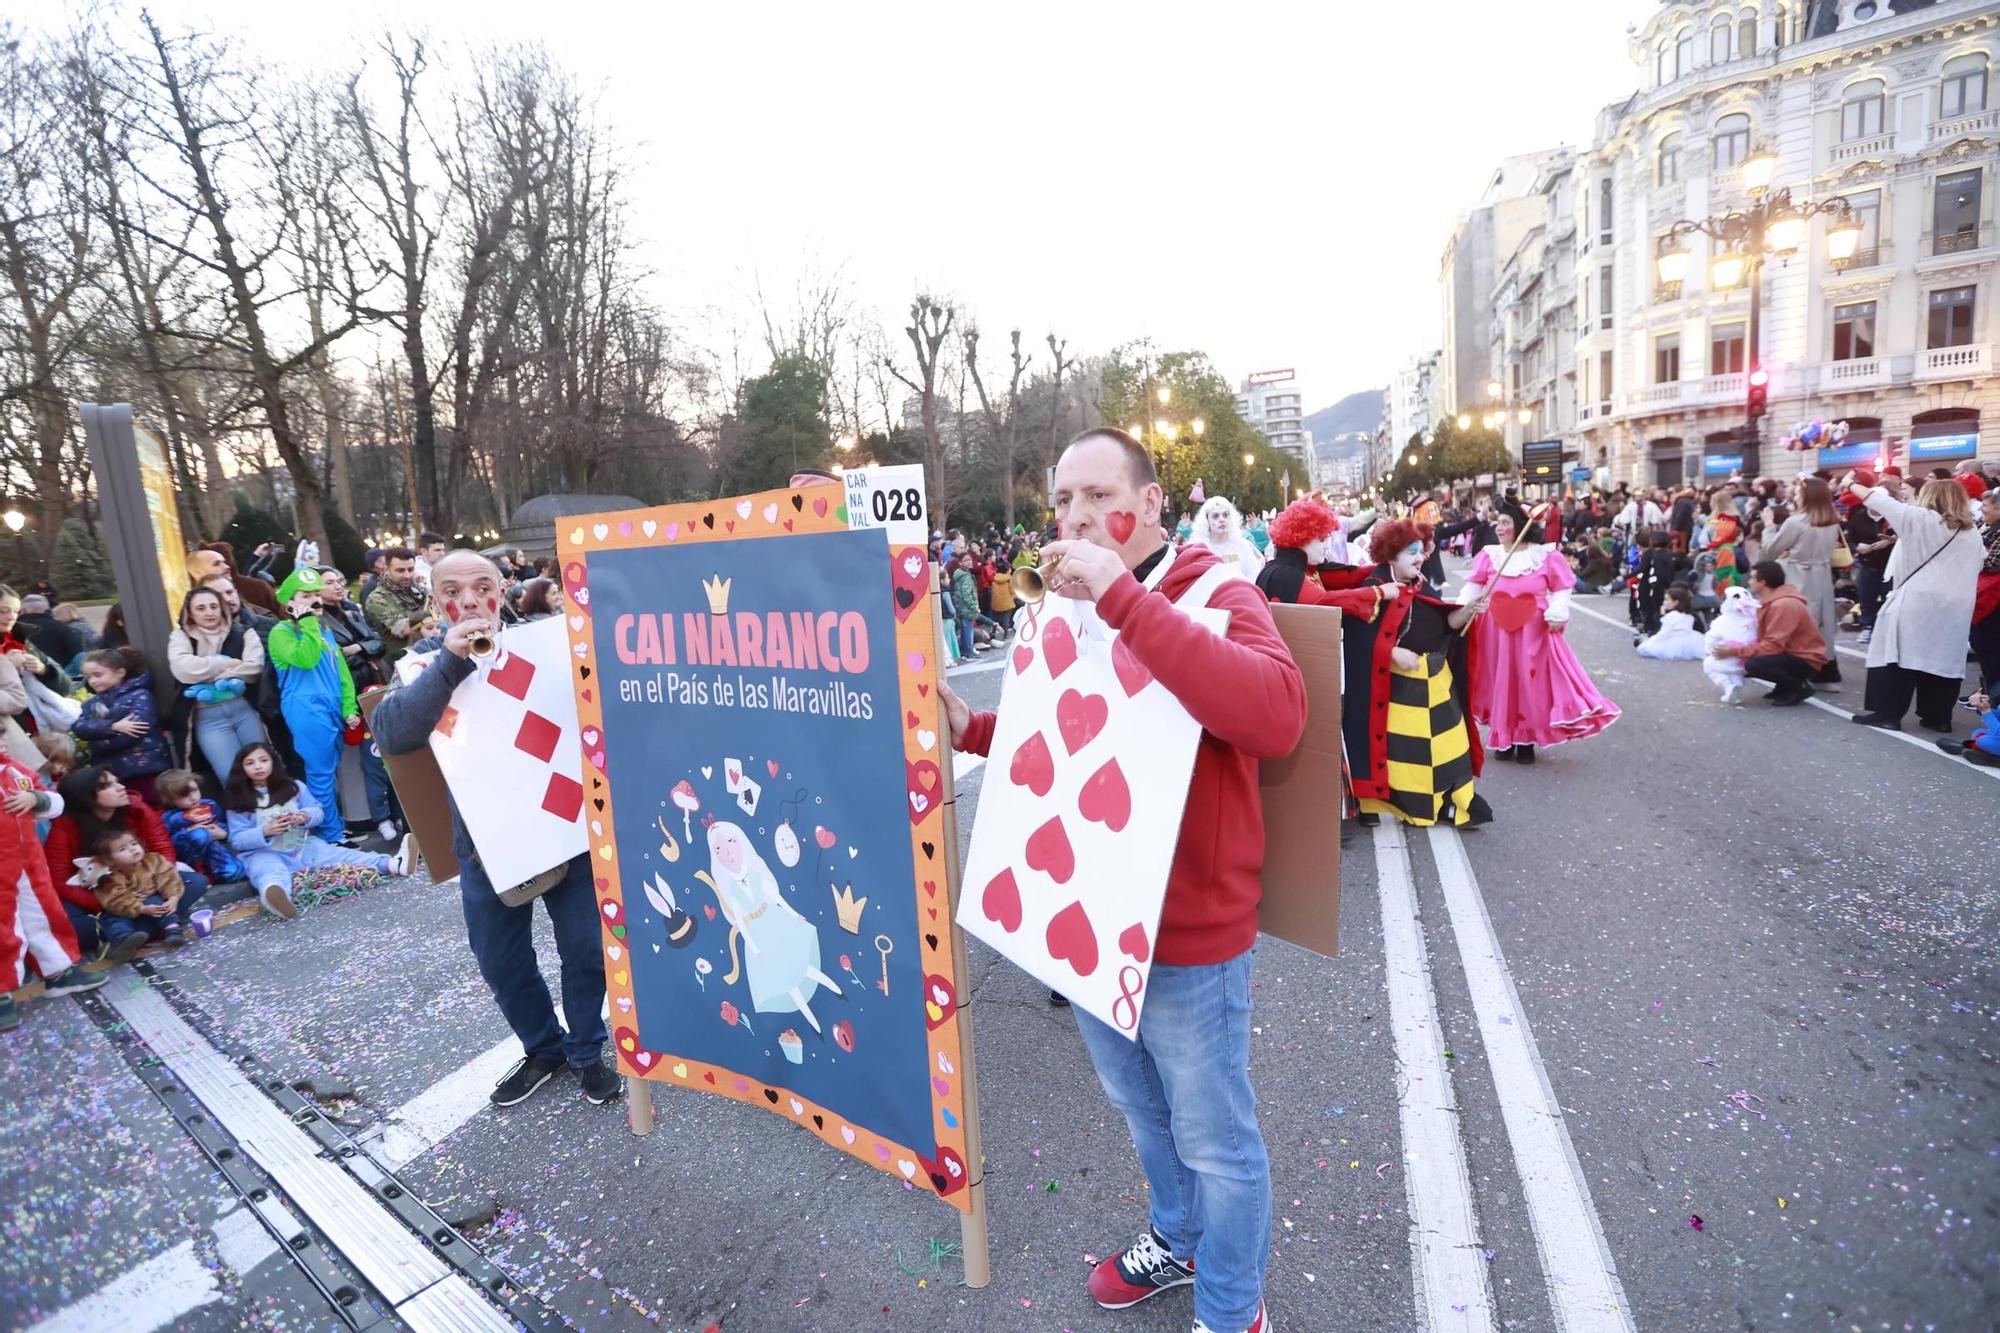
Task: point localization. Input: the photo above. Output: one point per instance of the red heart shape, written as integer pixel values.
(1023, 657)
(788, 525)
(1058, 646)
(923, 781)
(709, 909)
(710, 1076)
(1121, 525)
(1105, 798)
(1073, 940)
(588, 695)
(1049, 850)
(729, 525)
(1002, 902)
(910, 718)
(1080, 717)
(819, 508)
(772, 764)
(1133, 941)
(923, 690)
(1513, 610)
(1033, 767)
(930, 888)
(1130, 674)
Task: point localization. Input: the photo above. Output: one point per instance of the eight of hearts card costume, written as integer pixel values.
(1081, 808)
(508, 747)
(757, 688)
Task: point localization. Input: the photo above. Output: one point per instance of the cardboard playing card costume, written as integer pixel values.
(757, 688)
(510, 749)
(1080, 811)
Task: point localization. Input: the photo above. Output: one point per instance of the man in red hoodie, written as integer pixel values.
(1184, 1084)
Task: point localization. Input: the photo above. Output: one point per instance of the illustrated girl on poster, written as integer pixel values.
(781, 948)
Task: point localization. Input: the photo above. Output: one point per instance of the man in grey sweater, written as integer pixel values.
(465, 591)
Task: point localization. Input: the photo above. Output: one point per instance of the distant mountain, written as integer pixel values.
(1360, 412)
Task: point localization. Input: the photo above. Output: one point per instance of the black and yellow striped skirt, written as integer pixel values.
(1430, 756)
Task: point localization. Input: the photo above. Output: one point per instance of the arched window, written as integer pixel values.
(1861, 111)
(1669, 172)
(1964, 89)
(1660, 64)
(1746, 33)
(1732, 140)
(1684, 52)
(1718, 40)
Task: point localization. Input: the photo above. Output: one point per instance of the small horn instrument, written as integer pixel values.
(1030, 583)
(482, 644)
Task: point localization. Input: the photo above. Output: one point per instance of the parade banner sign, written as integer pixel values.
(756, 684)
(1081, 810)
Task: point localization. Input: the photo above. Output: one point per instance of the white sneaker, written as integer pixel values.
(1732, 694)
(405, 856)
(1865, 636)
(277, 900)
(387, 830)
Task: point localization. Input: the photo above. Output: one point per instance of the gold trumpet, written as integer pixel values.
(1031, 583)
(482, 643)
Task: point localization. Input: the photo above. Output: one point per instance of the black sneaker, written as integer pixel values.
(1790, 697)
(127, 948)
(601, 1083)
(73, 980)
(1142, 1272)
(522, 1080)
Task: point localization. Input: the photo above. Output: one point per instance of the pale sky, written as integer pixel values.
(1271, 183)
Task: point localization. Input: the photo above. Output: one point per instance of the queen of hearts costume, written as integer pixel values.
(1528, 688)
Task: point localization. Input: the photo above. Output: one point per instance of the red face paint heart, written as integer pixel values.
(923, 779)
(1002, 902)
(1033, 767)
(1073, 940)
(1105, 798)
(1080, 717)
(1130, 674)
(1024, 656)
(1049, 851)
(1121, 525)
(1058, 646)
(1134, 942)
(1513, 610)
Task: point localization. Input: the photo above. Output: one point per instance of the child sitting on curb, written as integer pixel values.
(270, 821)
(141, 891)
(197, 826)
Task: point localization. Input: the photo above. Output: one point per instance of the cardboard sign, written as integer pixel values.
(757, 688)
(891, 498)
(1081, 811)
(1302, 794)
(421, 791)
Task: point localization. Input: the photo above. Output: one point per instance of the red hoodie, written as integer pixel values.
(1250, 699)
(65, 844)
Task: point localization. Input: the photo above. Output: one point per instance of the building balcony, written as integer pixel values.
(1861, 372)
(1956, 242)
(1724, 388)
(1969, 361)
(1979, 122)
(1877, 145)
(1868, 257)
(1664, 292)
(1653, 397)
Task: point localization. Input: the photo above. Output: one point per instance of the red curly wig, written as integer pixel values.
(1307, 520)
(1397, 534)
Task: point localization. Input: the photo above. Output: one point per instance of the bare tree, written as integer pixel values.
(929, 327)
(1006, 433)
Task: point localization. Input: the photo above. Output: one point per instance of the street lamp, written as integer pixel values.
(1165, 395)
(1198, 426)
(1774, 226)
(1465, 421)
(15, 520)
(844, 443)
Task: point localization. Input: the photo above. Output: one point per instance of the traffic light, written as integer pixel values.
(1760, 393)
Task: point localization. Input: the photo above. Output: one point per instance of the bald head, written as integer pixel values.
(465, 584)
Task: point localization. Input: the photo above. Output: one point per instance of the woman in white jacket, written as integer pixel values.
(1920, 632)
(220, 660)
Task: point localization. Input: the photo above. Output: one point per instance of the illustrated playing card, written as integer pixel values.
(1080, 812)
(747, 793)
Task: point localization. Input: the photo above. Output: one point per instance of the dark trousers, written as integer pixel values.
(1649, 611)
(1787, 671)
(1869, 588)
(503, 944)
(96, 930)
(1890, 689)
(1986, 643)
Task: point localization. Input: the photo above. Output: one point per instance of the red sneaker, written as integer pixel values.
(1143, 1271)
(1258, 1325)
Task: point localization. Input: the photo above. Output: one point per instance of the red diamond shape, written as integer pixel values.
(447, 723)
(538, 736)
(564, 798)
(512, 676)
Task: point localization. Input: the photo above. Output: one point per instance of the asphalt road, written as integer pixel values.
(1726, 964)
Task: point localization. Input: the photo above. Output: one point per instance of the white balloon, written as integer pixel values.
(788, 844)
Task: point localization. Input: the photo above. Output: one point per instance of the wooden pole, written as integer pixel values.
(639, 1105)
(972, 1242)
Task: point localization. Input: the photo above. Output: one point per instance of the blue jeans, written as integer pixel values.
(503, 944)
(965, 644)
(1184, 1088)
(116, 928)
(220, 730)
(381, 796)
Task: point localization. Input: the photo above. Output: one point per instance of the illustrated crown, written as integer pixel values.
(849, 907)
(717, 589)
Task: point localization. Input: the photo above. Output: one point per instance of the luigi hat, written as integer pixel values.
(303, 579)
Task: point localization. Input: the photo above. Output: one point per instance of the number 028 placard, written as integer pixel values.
(891, 498)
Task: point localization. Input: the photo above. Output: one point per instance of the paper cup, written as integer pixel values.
(203, 921)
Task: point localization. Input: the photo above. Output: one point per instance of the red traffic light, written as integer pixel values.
(1760, 378)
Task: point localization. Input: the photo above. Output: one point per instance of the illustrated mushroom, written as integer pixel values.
(685, 798)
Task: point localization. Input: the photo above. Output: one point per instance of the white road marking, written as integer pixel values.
(973, 668)
(1584, 1291)
(1838, 711)
(1447, 1269)
(439, 1111)
(965, 765)
(155, 1293)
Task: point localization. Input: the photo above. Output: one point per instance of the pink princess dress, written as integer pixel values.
(1528, 688)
